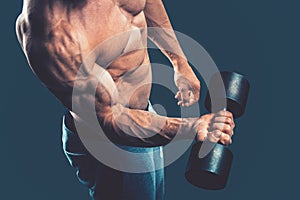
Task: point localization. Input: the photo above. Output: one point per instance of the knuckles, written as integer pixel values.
(227, 128)
(225, 139)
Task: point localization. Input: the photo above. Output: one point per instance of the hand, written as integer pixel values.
(216, 127)
(188, 86)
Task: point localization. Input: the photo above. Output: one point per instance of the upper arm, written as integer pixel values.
(58, 61)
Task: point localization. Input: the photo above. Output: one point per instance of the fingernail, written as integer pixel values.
(217, 134)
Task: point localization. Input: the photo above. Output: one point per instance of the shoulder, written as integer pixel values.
(20, 28)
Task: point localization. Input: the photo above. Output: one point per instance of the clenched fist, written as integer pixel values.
(216, 127)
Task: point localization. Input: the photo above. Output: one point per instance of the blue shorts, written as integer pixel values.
(106, 183)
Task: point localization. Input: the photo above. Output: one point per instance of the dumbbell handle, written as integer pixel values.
(207, 145)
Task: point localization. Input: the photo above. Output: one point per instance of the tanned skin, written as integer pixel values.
(60, 36)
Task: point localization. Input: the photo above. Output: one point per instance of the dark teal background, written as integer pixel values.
(257, 38)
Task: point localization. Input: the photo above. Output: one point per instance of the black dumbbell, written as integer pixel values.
(209, 163)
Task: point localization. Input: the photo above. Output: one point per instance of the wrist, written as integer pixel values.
(188, 128)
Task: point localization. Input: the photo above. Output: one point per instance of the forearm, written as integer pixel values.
(161, 32)
(145, 129)
(120, 124)
(93, 98)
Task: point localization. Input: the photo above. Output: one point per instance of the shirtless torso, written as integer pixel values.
(64, 38)
(57, 36)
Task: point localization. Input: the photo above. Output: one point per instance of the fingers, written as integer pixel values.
(225, 139)
(225, 117)
(225, 128)
(186, 97)
(224, 113)
(223, 123)
(218, 136)
(215, 136)
(218, 128)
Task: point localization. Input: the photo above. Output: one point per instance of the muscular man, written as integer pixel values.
(71, 43)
